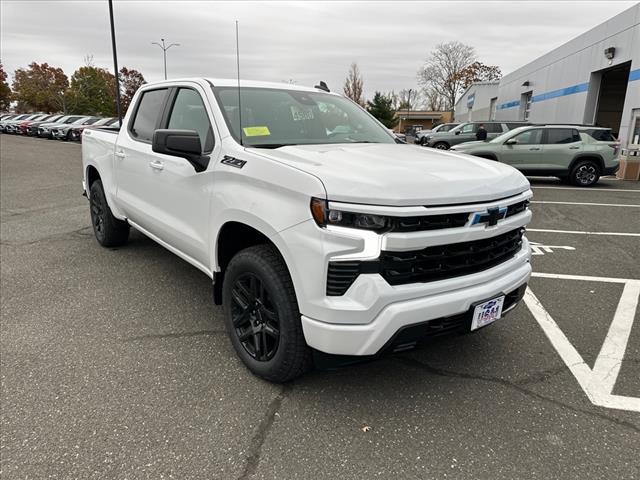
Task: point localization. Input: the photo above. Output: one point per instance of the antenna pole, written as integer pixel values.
(238, 69)
(115, 62)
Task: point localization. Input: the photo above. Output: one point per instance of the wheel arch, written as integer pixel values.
(587, 156)
(236, 235)
(487, 155)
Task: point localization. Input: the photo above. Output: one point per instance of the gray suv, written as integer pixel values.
(466, 132)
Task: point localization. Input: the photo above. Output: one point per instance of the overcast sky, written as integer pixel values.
(302, 41)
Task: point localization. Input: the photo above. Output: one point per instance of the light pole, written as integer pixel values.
(164, 53)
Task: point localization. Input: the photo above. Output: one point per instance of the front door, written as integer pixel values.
(526, 152)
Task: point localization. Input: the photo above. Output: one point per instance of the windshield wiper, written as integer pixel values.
(270, 145)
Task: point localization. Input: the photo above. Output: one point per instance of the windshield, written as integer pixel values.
(273, 118)
(459, 127)
(505, 136)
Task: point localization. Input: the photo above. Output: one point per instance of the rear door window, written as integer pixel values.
(562, 135)
(147, 114)
(493, 128)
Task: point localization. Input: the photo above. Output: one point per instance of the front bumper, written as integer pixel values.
(373, 337)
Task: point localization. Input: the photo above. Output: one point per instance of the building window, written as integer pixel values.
(492, 108)
(525, 105)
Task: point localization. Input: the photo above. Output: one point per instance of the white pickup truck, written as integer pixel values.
(319, 231)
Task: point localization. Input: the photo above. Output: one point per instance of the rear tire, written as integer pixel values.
(441, 146)
(262, 317)
(585, 173)
(109, 231)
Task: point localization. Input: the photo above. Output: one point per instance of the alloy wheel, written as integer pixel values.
(254, 317)
(586, 174)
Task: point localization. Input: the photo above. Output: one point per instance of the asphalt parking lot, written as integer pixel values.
(115, 363)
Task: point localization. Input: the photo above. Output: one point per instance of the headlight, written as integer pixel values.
(340, 218)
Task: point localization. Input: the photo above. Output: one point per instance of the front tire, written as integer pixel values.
(585, 173)
(109, 231)
(262, 317)
(441, 146)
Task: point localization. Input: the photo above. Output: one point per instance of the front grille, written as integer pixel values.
(429, 264)
(448, 261)
(517, 208)
(429, 222)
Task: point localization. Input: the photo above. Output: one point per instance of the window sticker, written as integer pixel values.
(256, 131)
(300, 113)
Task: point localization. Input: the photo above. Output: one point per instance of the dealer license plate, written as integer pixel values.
(487, 312)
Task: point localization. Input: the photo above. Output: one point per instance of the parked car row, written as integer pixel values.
(56, 126)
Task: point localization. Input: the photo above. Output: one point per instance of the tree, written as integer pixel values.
(478, 72)
(441, 71)
(433, 100)
(92, 92)
(39, 87)
(353, 85)
(381, 107)
(408, 99)
(130, 81)
(5, 90)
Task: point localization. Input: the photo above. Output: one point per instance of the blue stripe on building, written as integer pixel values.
(581, 87)
(502, 106)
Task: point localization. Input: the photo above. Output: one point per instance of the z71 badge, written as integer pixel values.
(234, 162)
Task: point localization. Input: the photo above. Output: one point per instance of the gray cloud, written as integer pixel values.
(303, 41)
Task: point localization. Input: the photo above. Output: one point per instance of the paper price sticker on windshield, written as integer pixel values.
(256, 131)
(300, 114)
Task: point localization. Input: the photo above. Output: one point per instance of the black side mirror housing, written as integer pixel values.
(180, 143)
(511, 141)
(457, 132)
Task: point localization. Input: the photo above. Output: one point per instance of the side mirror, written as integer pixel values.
(457, 132)
(511, 141)
(180, 143)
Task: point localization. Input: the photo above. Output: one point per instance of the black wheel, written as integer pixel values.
(441, 146)
(109, 231)
(585, 173)
(262, 317)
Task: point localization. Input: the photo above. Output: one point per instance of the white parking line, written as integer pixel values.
(588, 189)
(597, 383)
(578, 232)
(590, 204)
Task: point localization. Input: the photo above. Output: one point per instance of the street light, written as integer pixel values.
(164, 53)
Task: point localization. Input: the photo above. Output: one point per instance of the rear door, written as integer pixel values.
(133, 157)
(493, 130)
(561, 147)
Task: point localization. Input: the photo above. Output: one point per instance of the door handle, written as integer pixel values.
(156, 164)
(574, 148)
(120, 154)
(534, 148)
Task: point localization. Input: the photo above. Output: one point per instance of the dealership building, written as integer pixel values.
(592, 79)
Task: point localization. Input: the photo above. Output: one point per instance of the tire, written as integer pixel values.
(109, 231)
(585, 173)
(262, 317)
(441, 146)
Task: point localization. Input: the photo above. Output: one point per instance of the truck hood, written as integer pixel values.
(401, 175)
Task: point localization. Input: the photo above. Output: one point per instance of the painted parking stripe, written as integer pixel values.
(628, 205)
(587, 189)
(597, 383)
(578, 232)
(587, 278)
